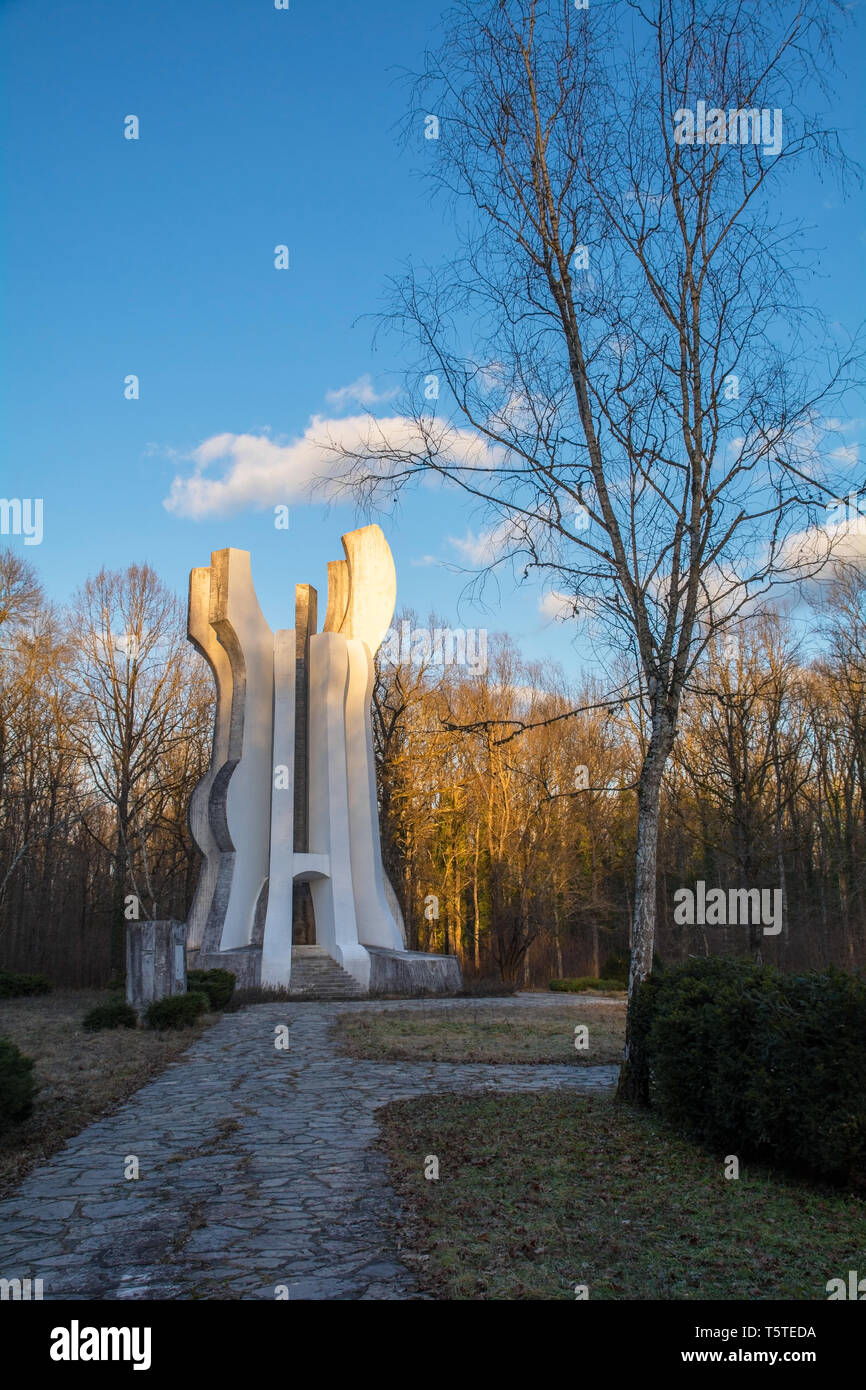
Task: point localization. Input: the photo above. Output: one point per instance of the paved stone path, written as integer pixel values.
(257, 1169)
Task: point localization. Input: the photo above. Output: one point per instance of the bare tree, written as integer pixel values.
(131, 671)
(400, 686)
(626, 377)
(743, 747)
(21, 594)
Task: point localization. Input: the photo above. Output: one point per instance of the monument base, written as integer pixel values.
(406, 974)
(245, 963)
(412, 972)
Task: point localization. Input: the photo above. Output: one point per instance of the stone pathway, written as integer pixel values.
(257, 1169)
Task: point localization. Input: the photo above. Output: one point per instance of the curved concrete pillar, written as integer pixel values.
(372, 586)
(243, 798)
(376, 923)
(333, 897)
(338, 595)
(204, 639)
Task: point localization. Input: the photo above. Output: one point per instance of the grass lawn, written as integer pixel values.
(538, 1193)
(485, 1034)
(80, 1075)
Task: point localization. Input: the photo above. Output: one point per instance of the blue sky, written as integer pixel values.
(155, 257)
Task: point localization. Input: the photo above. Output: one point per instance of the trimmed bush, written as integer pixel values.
(17, 1087)
(819, 1063)
(17, 986)
(116, 1014)
(580, 983)
(712, 1027)
(749, 1061)
(218, 985)
(178, 1010)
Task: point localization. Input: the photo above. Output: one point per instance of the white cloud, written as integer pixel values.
(482, 548)
(360, 392)
(816, 557)
(833, 544)
(809, 445)
(855, 422)
(557, 605)
(620, 345)
(486, 547)
(846, 454)
(233, 471)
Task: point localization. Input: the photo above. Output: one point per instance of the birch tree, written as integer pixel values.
(621, 368)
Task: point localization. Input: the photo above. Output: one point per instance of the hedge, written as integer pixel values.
(17, 1087)
(16, 986)
(218, 985)
(177, 1010)
(759, 1064)
(116, 1014)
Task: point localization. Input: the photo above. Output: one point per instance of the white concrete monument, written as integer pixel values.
(292, 891)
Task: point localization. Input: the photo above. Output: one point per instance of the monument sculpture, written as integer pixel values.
(292, 888)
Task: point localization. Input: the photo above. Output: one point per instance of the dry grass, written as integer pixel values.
(485, 1034)
(81, 1076)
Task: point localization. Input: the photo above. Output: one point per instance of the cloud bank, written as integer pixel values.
(234, 471)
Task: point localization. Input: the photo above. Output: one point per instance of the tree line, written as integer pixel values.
(105, 728)
(508, 796)
(510, 823)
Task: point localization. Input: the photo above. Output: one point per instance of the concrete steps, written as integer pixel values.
(315, 975)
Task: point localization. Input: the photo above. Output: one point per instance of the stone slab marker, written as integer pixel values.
(155, 961)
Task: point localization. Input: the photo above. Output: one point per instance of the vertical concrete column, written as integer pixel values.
(306, 606)
(333, 897)
(243, 795)
(277, 942)
(306, 621)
